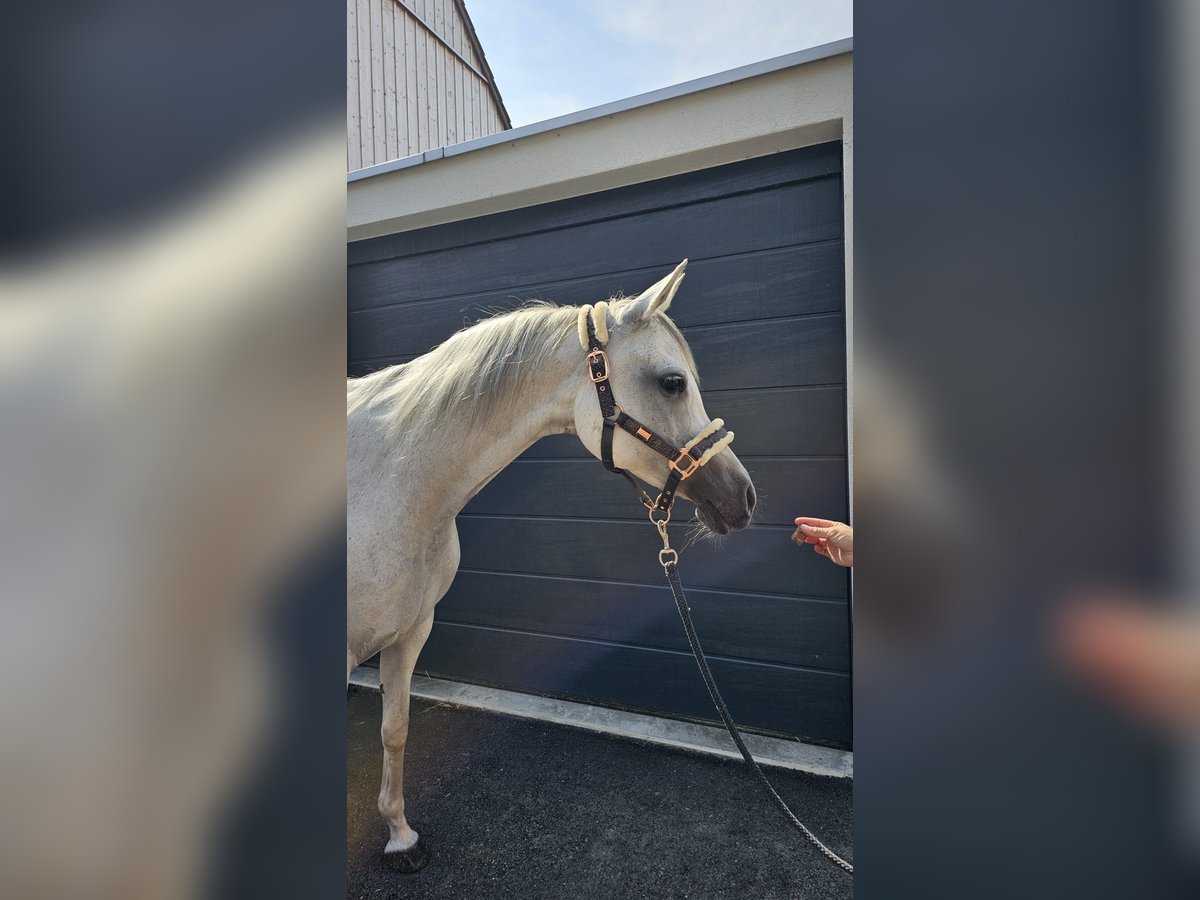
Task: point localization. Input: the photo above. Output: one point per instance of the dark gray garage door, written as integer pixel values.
(535, 607)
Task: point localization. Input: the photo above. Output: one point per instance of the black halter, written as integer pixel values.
(682, 462)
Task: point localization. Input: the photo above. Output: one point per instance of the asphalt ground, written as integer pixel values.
(518, 808)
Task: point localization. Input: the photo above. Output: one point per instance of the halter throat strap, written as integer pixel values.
(683, 462)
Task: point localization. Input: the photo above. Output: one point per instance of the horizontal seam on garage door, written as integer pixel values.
(833, 598)
(822, 314)
(822, 242)
(681, 653)
(614, 217)
(619, 519)
(407, 358)
(815, 386)
(639, 520)
(775, 458)
(765, 595)
(656, 647)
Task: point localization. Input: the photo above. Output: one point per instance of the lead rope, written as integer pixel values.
(593, 335)
(685, 613)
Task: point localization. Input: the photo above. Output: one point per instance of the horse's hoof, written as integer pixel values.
(414, 859)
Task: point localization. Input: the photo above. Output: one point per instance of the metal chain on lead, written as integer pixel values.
(685, 613)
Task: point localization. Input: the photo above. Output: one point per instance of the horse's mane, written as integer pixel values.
(476, 372)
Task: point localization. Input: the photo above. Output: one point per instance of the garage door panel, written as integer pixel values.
(791, 281)
(746, 175)
(759, 695)
(761, 559)
(789, 630)
(800, 421)
(770, 354)
(786, 216)
(358, 368)
(583, 488)
(768, 285)
(560, 590)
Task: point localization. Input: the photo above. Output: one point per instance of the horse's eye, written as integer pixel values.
(673, 384)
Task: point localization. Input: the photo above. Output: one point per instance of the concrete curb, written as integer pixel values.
(709, 739)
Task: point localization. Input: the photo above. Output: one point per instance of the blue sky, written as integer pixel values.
(552, 57)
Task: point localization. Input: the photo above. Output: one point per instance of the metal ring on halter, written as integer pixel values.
(693, 464)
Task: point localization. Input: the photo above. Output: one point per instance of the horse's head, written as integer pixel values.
(654, 378)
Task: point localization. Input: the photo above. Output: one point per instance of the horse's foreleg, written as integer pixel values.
(396, 665)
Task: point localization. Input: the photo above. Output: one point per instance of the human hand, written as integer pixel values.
(833, 540)
(1146, 658)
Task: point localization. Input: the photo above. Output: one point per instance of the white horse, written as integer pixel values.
(426, 436)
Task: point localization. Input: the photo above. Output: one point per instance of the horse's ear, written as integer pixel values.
(654, 299)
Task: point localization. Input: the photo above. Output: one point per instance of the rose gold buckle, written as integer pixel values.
(597, 356)
(674, 464)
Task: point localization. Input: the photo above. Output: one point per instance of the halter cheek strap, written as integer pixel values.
(683, 462)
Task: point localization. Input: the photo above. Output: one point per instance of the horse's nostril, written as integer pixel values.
(751, 499)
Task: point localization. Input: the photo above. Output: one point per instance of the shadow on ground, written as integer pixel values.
(517, 808)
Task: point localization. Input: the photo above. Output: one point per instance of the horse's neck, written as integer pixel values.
(460, 460)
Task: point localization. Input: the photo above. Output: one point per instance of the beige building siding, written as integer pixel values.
(415, 79)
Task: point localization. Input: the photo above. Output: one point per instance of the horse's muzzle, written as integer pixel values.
(724, 498)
